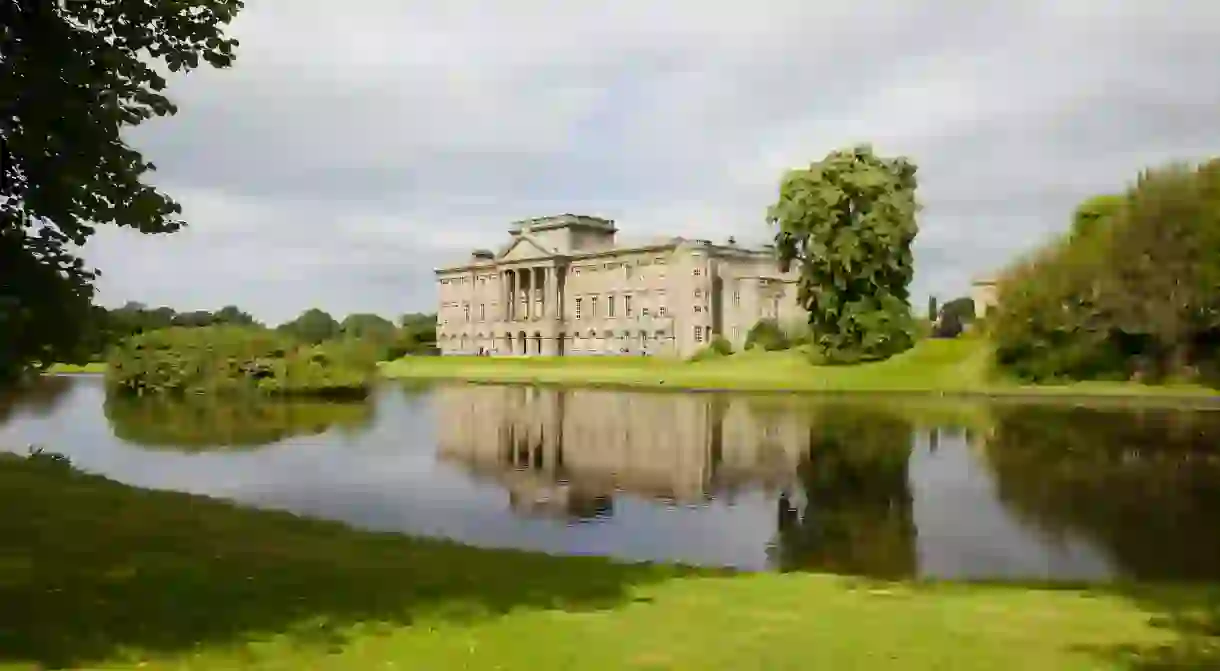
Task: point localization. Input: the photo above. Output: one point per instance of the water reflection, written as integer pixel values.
(864, 486)
(200, 423)
(38, 397)
(1141, 483)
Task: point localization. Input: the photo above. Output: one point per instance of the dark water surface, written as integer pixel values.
(863, 485)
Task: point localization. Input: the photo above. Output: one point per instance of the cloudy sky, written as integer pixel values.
(347, 154)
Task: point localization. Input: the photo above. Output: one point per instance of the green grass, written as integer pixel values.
(959, 366)
(100, 575)
(61, 368)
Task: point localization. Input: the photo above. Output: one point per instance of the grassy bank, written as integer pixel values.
(97, 574)
(944, 366)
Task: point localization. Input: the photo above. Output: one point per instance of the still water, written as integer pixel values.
(863, 486)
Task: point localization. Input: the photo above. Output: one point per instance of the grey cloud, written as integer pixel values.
(346, 155)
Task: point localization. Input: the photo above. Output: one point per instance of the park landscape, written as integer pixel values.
(1087, 394)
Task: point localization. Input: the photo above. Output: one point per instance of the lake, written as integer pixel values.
(860, 485)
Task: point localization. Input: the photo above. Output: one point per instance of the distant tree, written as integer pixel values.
(420, 326)
(848, 223)
(932, 312)
(235, 316)
(953, 317)
(74, 75)
(312, 326)
(368, 326)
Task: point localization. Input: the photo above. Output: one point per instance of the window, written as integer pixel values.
(627, 305)
(610, 306)
(482, 311)
(698, 293)
(698, 334)
(644, 312)
(698, 308)
(736, 297)
(593, 306)
(661, 311)
(466, 309)
(578, 302)
(698, 272)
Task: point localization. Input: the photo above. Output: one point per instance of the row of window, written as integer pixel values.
(577, 269)
(612, 307)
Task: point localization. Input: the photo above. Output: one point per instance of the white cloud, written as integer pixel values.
(347, 153)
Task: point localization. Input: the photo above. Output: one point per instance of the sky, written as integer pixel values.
(348, 153)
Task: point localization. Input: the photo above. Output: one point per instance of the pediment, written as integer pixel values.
(524, 247)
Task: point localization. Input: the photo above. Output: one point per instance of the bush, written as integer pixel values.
(1133, 294)
(718, 347)
(768, 335)
(235, 360)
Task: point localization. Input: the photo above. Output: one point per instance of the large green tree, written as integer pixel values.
(847, 222)
(73, 76)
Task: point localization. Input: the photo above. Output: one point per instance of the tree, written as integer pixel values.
(312, 326)
(1136, 297)
(74, 75)
(368, 326)
(848, 223)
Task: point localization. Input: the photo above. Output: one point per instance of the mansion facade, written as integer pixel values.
(561, 286)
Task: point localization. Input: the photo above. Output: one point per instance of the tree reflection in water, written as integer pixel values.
(37, 397)
(856, 514)
(211, 423)
(1143, 484)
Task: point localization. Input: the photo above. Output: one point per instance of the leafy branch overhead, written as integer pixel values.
(847, 224)
(75, 75)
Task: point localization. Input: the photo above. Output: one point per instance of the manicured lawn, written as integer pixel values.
(948, 366)
(61, 368)
(99, 575)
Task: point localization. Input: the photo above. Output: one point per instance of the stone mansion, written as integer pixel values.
(562, 286)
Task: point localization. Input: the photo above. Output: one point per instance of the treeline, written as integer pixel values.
(1131, 291)
(414, 333)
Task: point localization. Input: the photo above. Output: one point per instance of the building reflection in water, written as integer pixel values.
(836, 474)
(570, 452)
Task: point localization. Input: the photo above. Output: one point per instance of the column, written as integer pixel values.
(518, 287)
(546, 293)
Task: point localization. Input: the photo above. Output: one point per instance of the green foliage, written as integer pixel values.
(312, 326)
(1096, 213)
(1138, 297)
(848, 223)
(368, 326)
(228, 360)
(200, 423)
(768, 335)
(74, 76)
(954, 317)
(718, 347)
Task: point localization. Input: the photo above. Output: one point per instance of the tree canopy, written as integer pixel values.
(74, 76)
(1137, 296)
(847, 222)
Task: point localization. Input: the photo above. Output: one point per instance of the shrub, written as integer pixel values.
(768, 335)
(718, 347)
(234, 360)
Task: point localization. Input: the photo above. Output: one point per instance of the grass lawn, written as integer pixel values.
(61, 368)
(99, 575)
(948, 366)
